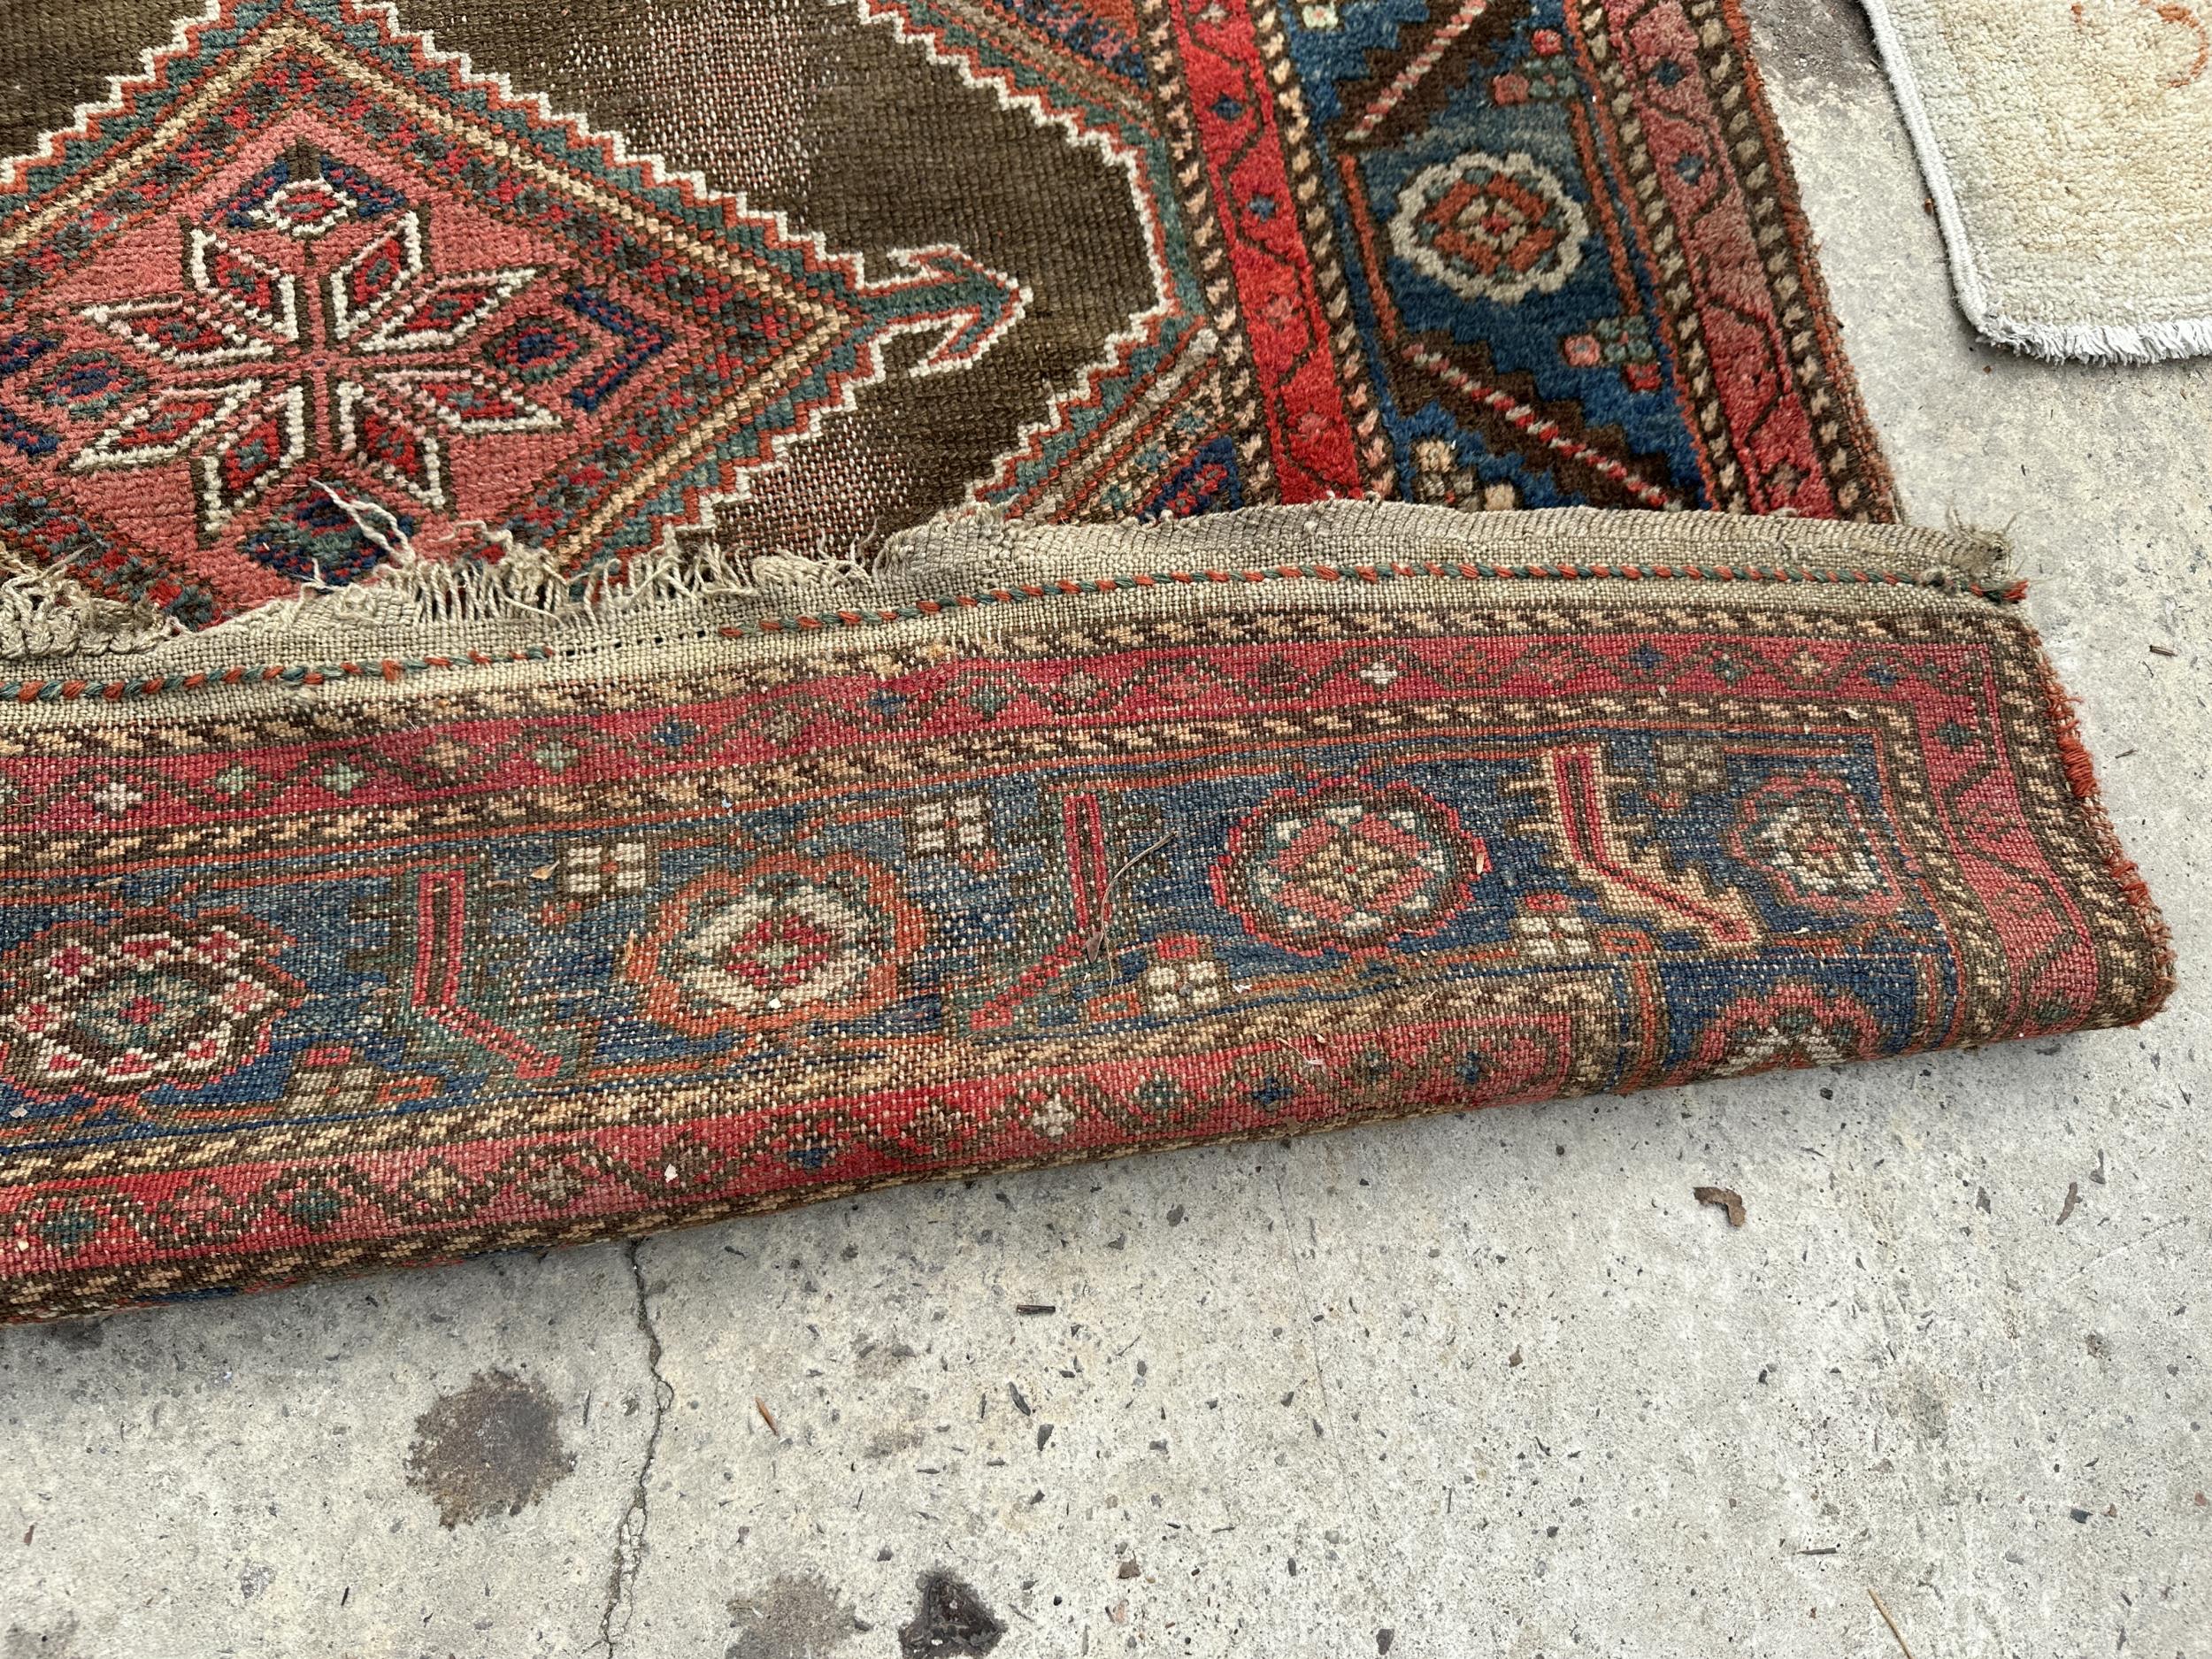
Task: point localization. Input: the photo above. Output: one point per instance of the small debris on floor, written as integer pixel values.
(1129, 1569)
(1722, 1198)
(1891, 1623)
(1035, 1306)
(950, 1621)
(2073, 1198)
(1513, 1359)
(1384, 1638)
(761, 1406)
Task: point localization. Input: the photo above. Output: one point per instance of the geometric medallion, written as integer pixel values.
(327, 287)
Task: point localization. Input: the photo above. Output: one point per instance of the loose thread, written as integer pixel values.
(1094, 946)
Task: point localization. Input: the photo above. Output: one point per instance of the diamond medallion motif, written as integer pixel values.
(313, 287)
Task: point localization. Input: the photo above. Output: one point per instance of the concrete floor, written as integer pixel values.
(1492, 1386)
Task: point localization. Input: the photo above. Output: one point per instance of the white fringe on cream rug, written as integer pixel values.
(2068, 148)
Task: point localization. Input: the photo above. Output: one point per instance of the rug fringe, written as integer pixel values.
(483, 579)
(2105, 343)
(48, 613)
(474, 573)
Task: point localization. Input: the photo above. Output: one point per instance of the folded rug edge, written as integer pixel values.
(496, 595)
(1757, 703)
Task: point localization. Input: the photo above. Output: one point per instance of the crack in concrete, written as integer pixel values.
(629, 1533)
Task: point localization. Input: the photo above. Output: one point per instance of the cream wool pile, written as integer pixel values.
(2067, 149)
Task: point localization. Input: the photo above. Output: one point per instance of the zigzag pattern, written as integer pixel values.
(1042, 447)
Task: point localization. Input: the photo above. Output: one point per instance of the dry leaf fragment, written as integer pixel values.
(1722, 1198)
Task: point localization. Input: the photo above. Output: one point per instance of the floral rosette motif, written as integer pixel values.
(152, 998)
(785, 941)
(1348, 866)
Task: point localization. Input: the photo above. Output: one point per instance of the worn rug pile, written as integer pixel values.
(629, 613)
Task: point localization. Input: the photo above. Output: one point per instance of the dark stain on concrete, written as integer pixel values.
(78, 1334)
(888, 1442)
(55, 1641)
(796, 1617)
(493, 1446)
(1808, 44)
(873, 1358)
(951, 1620)
(1922, 1409)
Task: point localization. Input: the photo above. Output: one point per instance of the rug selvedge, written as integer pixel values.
(73, 688)
(298, 978)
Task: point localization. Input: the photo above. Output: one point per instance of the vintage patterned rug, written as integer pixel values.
(741, 276)
(485, 759)
(448, 914)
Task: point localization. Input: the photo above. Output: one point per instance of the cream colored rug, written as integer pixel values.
(2068, 147)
